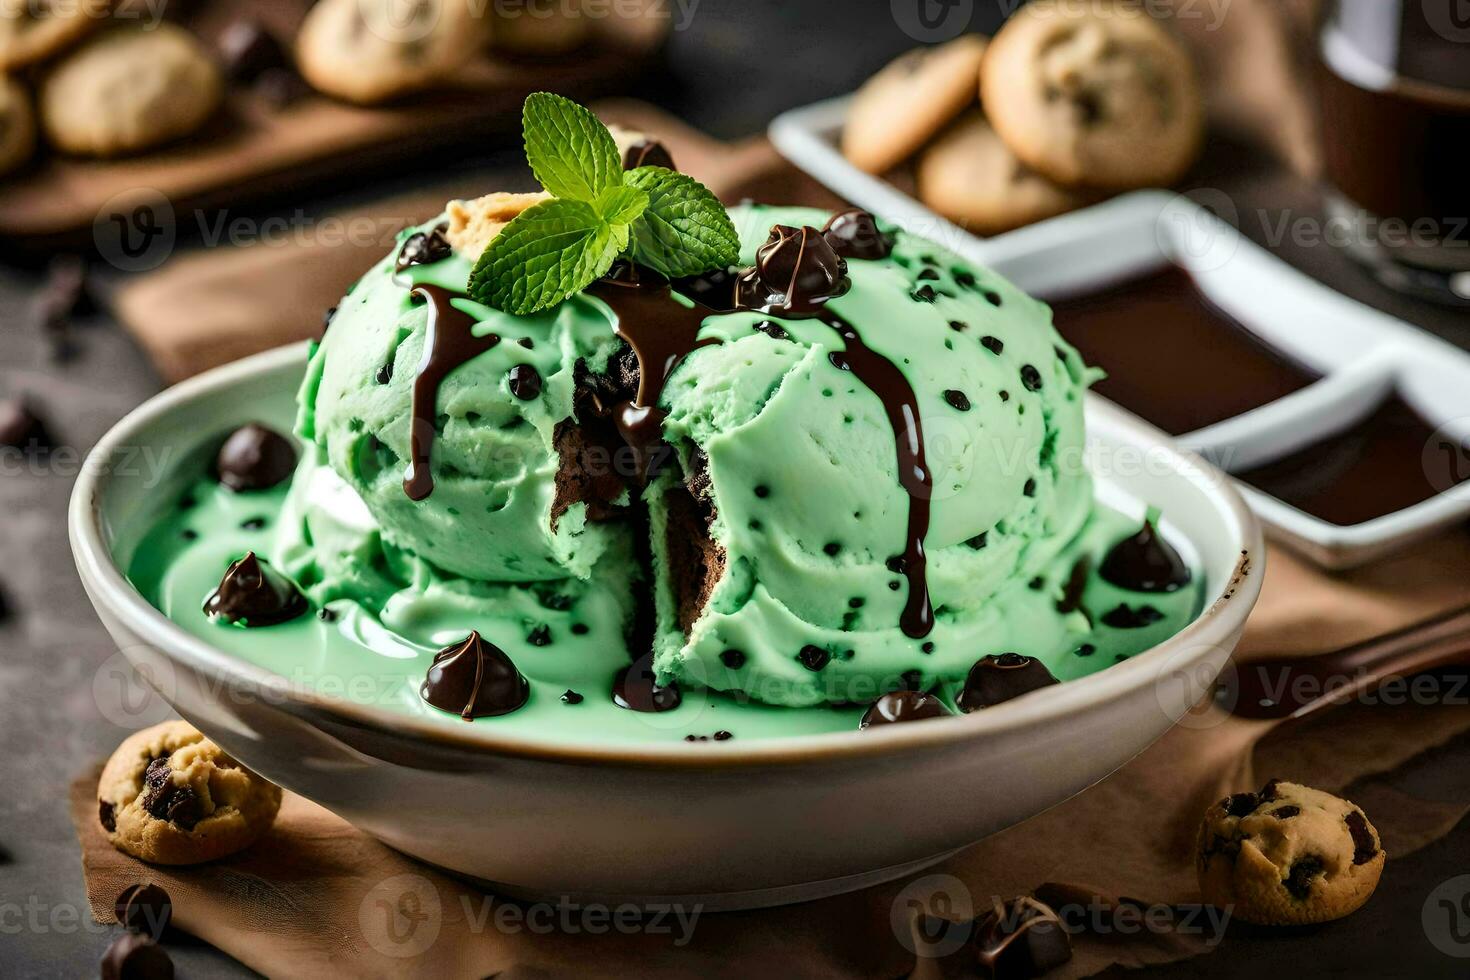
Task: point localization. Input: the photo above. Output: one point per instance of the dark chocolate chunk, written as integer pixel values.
(648, 153)
(723, 736)
(1145, 562)
(253, 524)
(978, 541)
(854, 234)
(1030, 377)
(475, 679)
(928, 275)
(385, 374)
(254, 594)
(1241, 804)
(992, 297)
(21, 428)
(107, 816)
(326, 615)
(993, 344)
(1086, 650)
(1271, 791)
(254, 458)
(1030, 488)
(525, 382)
(924, 294)
(636, 688)
(166, 800)
(571, 697)
(734, 659)
(796, 270)
(540, 636)
(1299, 879)
(958, 400)
(424, 248)
(899, 706)
(144, 908)
(814, 658)
(1365, 848)
(773, 330)
(995, 679)
(958, 326)
(1021, 939)
(1287, 812)
(1124, 618)
(136, 957)
(246, 49)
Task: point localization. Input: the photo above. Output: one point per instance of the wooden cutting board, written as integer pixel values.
(254, 149)
(210, 306)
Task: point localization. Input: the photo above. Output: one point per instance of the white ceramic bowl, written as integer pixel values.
(728, 825)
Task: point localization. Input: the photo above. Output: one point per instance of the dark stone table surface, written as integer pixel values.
(736, 65)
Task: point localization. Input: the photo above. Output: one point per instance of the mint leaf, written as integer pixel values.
(570, 151)
(621, 205)
(685, 229)
(549, 252)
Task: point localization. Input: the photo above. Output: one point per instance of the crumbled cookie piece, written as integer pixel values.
(1288, 855)
(169, 795)
(473, 225)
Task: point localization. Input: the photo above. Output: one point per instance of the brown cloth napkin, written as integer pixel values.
(315, 897)
(307, 900)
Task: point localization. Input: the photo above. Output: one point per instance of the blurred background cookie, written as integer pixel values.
(129, 89)
(972, 178)
(371, 52)
(541, 28)
(902, 107)
(34, 30)
(169, 795)
(17, 125)
(1288, 855)
(1095, 95)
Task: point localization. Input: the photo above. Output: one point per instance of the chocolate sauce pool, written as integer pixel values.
(1172, 357)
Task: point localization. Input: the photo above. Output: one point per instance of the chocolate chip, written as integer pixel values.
(814, 658)
(1030, 377)
(571, 697)
(995, 679)
(164, 799)
(144, 908)
(525, 382)
(254, 458)
(773, 330)
(734, 659)
(135, 957)
(648, 153)
(930, 275)
(993, 344)
(326, 615)
(1029, 489)
(385, 374)
(992, 297)
(1365, 848)
(1286, 812)
(763, 492)
(540, 636)
(1124, 618)
(958, 326)
(924, 294)
(854, 234)
(1299, 879)
(795, 269)
(1005, 396)
(903, 706)
(723, 736)
(424, 248)
(978, 541)
(1086, 650)
(1271, 791)
(580, 629)
(253, 524)
(474, 679)
(1241, 804)
(253, 594)
(1021, 939)
(958, 400)
(107, 816)
(832, 549)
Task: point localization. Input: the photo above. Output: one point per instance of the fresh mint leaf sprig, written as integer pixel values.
(657, 217)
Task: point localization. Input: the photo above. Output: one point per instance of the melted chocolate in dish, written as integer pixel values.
(901, 706)
(254, 594)
(475, 679)
(1172, 357)
(1391, 460)
(1145, 563)
(1000, 678)
(636, 688)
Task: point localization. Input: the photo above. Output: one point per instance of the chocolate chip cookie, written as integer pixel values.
(169, 795)
(34, 30)
(1288, 855)
(17, 125)
(372, 52)
(129, 89)
(902, 107)
(1094, 94)
(971, 177)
